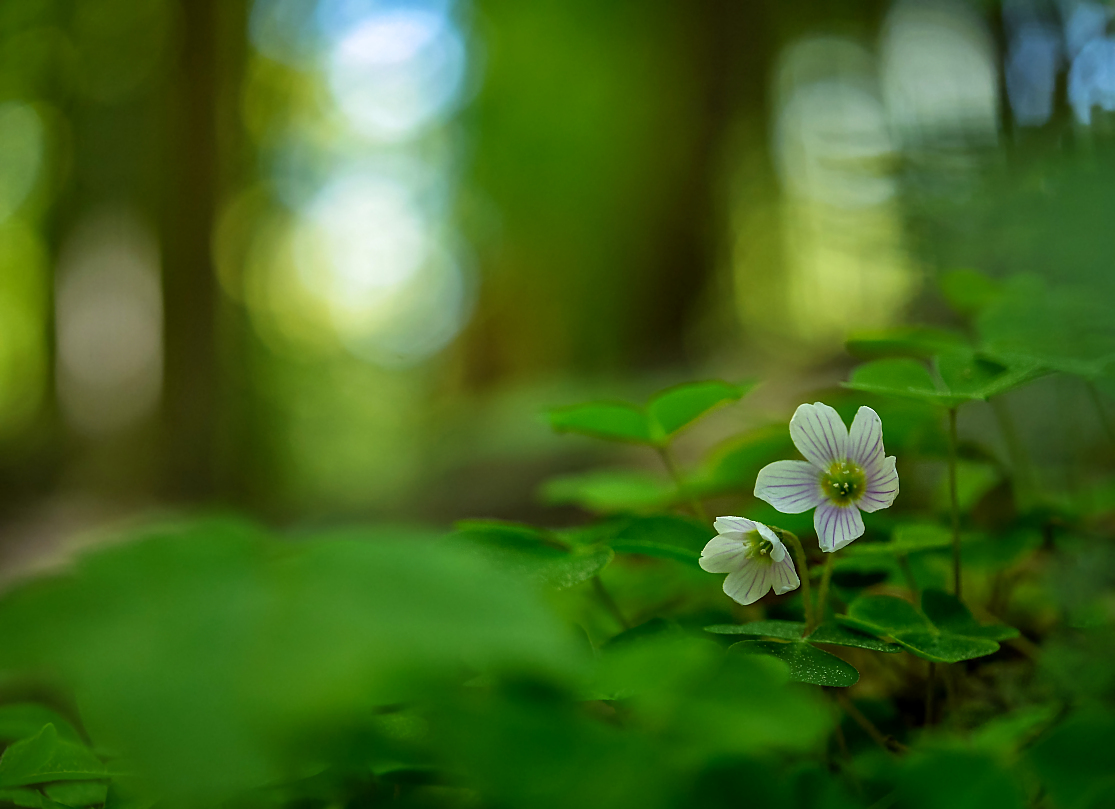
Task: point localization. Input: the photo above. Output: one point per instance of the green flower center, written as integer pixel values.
(757, 547)
(844, 483)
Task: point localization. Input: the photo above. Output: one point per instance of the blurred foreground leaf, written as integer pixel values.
(45, 757)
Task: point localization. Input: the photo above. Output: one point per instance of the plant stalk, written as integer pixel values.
(954, 502)
(823, 590)
(671, 466)
(803, 575)
(930, 692)
(884, 741)
(609, 602)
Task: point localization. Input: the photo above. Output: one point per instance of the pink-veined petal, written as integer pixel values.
(790, 486)
(777, 550)
(750, 583)
(724, 553)
(784, 577)
(837, 525)
(819, 434)
(881, 488)
(865, 439)
(725, 524)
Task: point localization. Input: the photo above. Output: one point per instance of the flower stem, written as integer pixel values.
(609, 602)
(1022, 476)
(954, 502)
(888, 743)
(671, 466)
(803, 575)
(823, 590)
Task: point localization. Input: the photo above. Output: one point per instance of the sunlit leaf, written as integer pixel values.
(807, 663)
(921, 342)
(677, 407)
(614, 421)
(967, 374)
(45, 757)
(900, 376)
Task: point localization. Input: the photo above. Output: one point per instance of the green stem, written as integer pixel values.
(823, 590)
(930, 691)
(954, 502)
(672, 467)
(884, 741)
(908, 572)
(803, 575)
(609, 602)
(1023, 469)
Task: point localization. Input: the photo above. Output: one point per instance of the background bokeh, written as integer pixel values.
(328, 260)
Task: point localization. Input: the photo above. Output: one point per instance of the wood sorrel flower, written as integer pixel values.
(753, 557)
(844, 473)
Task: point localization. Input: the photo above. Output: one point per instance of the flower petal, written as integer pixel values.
(784, 577)
(837, 525)
(750, 583)
(790, 486)
(778, 550)
(724, 553)
(865, 439)
(882, 486)
(725, 524)
(819, 434)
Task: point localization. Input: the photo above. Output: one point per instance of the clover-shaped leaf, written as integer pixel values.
(961, 375)
(667, 413)
(531, 553)
(807, 663)
(899, 620)
(829, 633)
(949, 614)
(921, 342)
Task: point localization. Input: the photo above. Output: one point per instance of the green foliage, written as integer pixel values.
(45, 757)
(949, 636)
(606, 491)
(829, 633)
(807, 663)
(529, 554)
(961, 376)
(666, 414)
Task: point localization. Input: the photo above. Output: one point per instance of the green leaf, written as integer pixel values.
(665, 536)
(677, 407)
(950, 615)
(609, 491)
(44, 757)
(77, 793)
(906, 539)
(807, 663)
(922, 342)
(967, 374)
(837, 635)
(531, 554)
(613, 421)
(1075, 761)
(785, 630)
(890, 617)
(19, 720)
(903, 377)
(735, 464)
(832, 634)
(22, 797)
(969, 292)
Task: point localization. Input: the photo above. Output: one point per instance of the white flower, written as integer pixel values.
(844, 473)
(753, 557)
